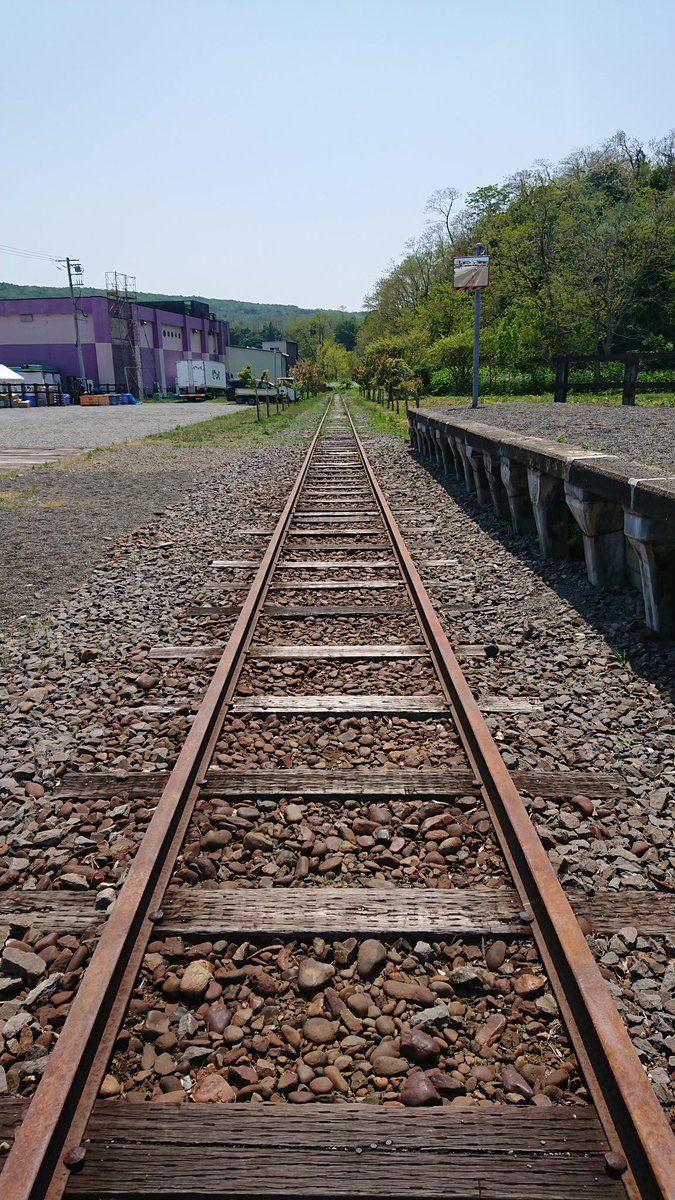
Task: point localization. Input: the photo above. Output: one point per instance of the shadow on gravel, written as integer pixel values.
(617, 616)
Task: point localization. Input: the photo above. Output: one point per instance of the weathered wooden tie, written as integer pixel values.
(423, 782)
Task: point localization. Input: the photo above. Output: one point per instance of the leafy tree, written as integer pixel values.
(308, 377)
(440, 204)
(345, 331)
(582, 259)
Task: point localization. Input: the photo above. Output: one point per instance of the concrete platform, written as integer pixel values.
(624, 510)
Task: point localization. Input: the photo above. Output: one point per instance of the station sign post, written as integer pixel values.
(472, 275)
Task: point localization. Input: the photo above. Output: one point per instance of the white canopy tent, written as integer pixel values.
(7, 375)
(10, 386)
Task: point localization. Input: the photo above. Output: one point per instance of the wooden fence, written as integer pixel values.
(633, 360)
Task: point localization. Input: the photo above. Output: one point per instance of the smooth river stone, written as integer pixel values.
(196, 978)
(319, 1030)
(218, 1018)
(313, 974)
(417, 993)
(389, 1066)
(418, 1046)
(213, 1089)
(495, 956)
(417, 1090)
(372, 955)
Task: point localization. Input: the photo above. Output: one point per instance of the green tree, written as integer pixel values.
(346, 330)
(582, 259)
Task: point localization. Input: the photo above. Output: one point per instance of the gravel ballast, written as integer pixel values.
(80, 692)
(58, 521)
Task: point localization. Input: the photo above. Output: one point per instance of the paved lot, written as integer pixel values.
(68, 429)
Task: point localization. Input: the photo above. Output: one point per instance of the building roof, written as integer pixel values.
(34, 367)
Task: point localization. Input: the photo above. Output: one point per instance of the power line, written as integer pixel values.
(73, 267)
(34, 254)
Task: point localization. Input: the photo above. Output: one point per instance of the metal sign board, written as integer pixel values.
(471, 274)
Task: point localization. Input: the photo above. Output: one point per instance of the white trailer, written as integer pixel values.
(195, 376)
(272, 361)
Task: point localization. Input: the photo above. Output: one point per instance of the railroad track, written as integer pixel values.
(346, 1004)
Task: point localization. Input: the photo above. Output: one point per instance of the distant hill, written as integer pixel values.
(238, 312)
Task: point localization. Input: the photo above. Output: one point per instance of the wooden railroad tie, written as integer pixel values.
(375, 704)
(337, 1150)
(345, 782)
(298, 912)
(381, 650)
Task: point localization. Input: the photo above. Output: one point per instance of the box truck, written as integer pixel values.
(200, 377)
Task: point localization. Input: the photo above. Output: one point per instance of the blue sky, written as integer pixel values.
(284, 152)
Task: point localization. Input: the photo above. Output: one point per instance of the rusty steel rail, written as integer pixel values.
(643, 1145)
(48, 1142)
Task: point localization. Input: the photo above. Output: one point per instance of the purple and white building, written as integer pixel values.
(128, 346)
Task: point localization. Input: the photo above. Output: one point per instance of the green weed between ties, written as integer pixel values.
(295, 424)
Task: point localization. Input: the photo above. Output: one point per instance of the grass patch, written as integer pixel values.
(19, 499)
(378, 420)
(295, 424)
(28, 498)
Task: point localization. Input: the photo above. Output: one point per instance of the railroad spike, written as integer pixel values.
(615, 1164)
(74, 1158)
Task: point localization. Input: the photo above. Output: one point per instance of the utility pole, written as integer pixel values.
(76, 267)
(476, 337)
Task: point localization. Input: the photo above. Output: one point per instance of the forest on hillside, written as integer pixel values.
(582, 260)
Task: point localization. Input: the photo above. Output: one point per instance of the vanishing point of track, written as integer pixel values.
(70, 1143)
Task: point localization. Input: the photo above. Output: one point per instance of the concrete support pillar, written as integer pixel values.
(475, 458)
(514, 478)
(446, 455)
(412, 432)
(460, 447)
(550, 513)
(438, 453)
(428, 446)
(601, 524)
(654, 545)
(456, 459)
(500, 500)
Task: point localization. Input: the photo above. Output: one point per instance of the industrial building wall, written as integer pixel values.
(41, 330)
(104, 366)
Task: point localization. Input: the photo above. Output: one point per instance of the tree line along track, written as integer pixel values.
(68, 1142)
